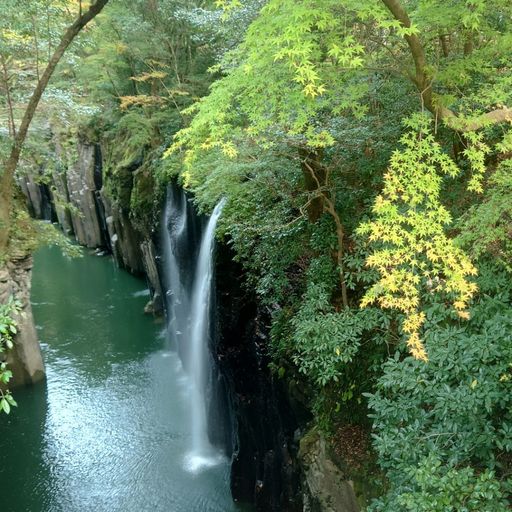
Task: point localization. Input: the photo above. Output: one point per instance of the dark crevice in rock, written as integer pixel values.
(98, 167)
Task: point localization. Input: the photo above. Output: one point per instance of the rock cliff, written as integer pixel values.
(24, 360)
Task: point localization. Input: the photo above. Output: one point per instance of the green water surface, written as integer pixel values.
(108, 430)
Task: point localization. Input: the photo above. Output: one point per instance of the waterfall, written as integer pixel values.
(202, 452)
(188, 253)
(175, 242)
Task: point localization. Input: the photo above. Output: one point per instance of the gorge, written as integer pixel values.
(216, 328)
(294, 293)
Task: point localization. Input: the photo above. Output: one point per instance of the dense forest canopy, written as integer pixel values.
(364, 150)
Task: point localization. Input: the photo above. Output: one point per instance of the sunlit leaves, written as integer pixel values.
(411, 249)
(141, 100)
(475, 153)
(227, 5)
(296, 60)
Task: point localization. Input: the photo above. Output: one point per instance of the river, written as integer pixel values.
(109, 429)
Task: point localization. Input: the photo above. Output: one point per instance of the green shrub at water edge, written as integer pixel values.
(8, 329)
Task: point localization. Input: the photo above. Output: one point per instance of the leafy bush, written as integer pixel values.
(8, 329)
(324, 339)
(434, 487)
(444, 429)
(485, 228)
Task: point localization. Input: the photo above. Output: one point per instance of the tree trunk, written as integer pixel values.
(317, 180)
(314, 179)
(423, 81)
(7, 179)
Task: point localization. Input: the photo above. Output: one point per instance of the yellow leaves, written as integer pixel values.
(144, 77)
(227, 5)
(475, 153)
(229, 149)
(141, 100)
(12, 37)
(305, 74)
(313, 90)
(154, 63)
(413, 322)
(412, 250)
(320, 139)
(416, 347)
(187, 178)
(459, 305)
(216, 68)
(474, 384)
(121, 48)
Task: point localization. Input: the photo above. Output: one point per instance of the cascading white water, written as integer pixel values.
(189, 277)
(175, 235)
(202, 452)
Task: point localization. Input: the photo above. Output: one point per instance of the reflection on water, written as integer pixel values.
(109, 430)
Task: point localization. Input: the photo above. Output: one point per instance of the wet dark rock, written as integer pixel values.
(124, 240)
(326, 488)
(60, 198)
(38, 196)
(149, 260)
(96, 220)
(264, 471)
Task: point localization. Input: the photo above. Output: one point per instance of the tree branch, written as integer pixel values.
(329, 206)
(421, 78)
(7, 179)
(424, 83)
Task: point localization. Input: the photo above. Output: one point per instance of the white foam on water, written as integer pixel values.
(195, 463)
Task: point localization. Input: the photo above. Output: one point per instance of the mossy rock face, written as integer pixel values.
(123, 184)
(24, 359)
(24, 238)
(308, 443)
(146, 200)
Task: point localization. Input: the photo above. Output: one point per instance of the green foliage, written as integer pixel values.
(29, 235)
(433, 487)
(326, 84)
(261, 218)
(284, 48)
(50, 234)
(324, 339)
(485, 227)
(443, 428)
(8, 330)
